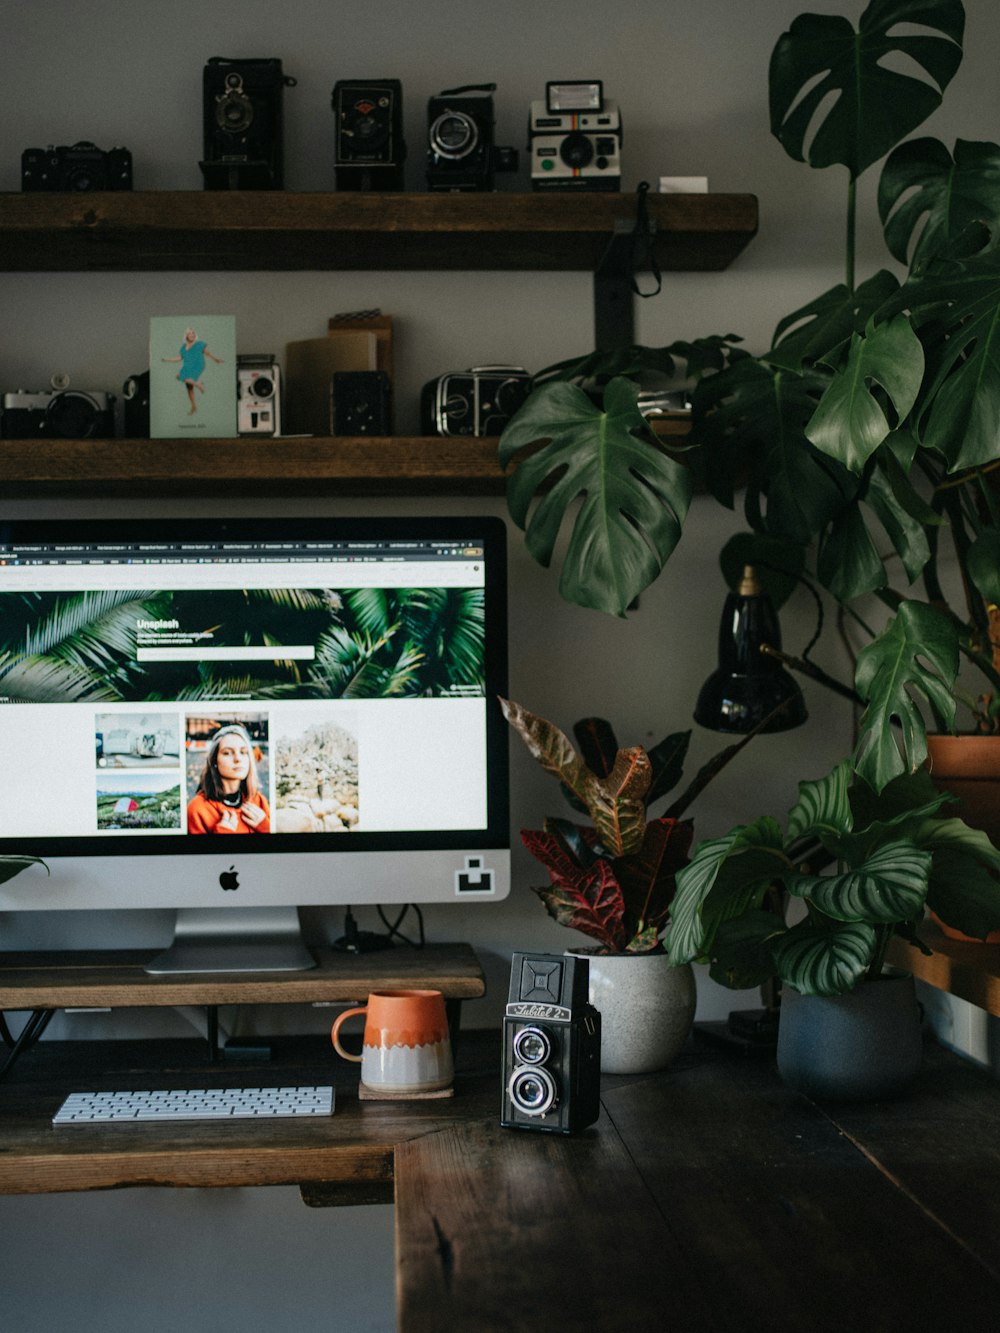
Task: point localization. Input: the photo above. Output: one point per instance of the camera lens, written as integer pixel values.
(71, 416)
(576, 150)
(454, 134)
(262, 387)
(532, 1046)
(532, 1091)
(234, 112)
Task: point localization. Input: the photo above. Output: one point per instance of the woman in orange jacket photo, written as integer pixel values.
(229, 799)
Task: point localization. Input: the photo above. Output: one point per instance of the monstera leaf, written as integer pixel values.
(927, 199)
(917, 651)
(850, 422)
(823, 68)
(634, 497)
(984, 564)
(818, 330)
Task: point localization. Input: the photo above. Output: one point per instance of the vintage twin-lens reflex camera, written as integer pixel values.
(370, 150)
(551, 1046)
(575, 138)
(461, 153)
(82, 167)
(479, 401)
(242, 122)
(258, 397)
(60, 413)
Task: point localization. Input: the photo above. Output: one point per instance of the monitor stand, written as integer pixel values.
(249, 939)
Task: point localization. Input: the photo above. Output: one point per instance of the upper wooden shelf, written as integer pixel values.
(280, 230)
(298, 465)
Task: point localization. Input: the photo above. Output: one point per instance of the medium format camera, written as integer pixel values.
(479, 401)
(258, 398)
(242, 121)
(461, 153)
(83, 167)
(361, 403)
(574, 138)
(551, 1046)
(63, 413)
(370, 150)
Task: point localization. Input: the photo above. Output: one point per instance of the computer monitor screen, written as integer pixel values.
(325, 690)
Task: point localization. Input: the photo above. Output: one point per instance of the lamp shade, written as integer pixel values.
(749, 685)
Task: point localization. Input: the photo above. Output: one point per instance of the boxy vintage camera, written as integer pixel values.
(575, 138)
(479, 401)
(83, 167)
(370, 150)
(461, 154)
(242, 122)
(551, 1046)
(62, 413)
(258, 396)
(361, 402)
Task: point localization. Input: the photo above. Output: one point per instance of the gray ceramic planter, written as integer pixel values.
(860, 1046)
(646, 1007)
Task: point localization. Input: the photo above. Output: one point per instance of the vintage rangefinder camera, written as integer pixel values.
(479, 401)
(370, 150)
(242, 120)
(551, 1046)
(461, 153)
(575, 138)
(258, 395)
(82, 167)
(61, 413)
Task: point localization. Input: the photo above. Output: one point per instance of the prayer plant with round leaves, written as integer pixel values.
(865, 440)
(614, 878)
(884, 857)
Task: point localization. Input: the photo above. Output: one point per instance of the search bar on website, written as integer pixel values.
(282, 652)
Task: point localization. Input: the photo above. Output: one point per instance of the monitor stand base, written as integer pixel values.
(253, 939)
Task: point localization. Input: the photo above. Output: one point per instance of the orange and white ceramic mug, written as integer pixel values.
(406, 1045)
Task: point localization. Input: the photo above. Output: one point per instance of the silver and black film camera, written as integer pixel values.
(461, 153)
(258, 397)
(61, 413)
(370, 150)
(83, 167)
(575, 138)
(242, 120)
(479, 401)
(551, 1046)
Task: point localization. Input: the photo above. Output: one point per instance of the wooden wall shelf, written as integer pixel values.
(969, 970)
(280, 230)
(396, 465)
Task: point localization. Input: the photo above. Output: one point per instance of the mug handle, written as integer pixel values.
(335, 1034)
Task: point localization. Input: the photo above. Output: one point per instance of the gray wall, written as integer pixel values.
(691, 80)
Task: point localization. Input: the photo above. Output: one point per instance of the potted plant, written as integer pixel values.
(613, 879)
(871, 424)
(816, 905)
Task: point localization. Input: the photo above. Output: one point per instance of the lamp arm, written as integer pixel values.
(814, 672)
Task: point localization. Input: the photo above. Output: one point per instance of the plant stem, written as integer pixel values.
(852, 208)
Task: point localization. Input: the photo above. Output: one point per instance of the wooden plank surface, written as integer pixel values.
(58, 981)
(969, 969)
(282, 230)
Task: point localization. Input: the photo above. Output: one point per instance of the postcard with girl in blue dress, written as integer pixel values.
(192, 376)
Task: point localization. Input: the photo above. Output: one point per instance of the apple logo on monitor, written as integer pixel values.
(229, 879)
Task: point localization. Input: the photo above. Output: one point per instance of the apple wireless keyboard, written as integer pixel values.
(159, 1105)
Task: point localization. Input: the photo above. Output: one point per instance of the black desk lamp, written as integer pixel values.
(749, 687)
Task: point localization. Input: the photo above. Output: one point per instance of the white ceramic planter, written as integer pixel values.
(646, 1007)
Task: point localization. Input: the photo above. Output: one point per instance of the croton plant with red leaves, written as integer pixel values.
(613, 880)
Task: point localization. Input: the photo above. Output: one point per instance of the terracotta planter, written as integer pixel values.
(856, 1047)
(646, 1007)
(969, 768)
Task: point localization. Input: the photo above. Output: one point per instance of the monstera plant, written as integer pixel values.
(865, 439)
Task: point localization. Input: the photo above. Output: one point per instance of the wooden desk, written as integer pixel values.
(706, 1197)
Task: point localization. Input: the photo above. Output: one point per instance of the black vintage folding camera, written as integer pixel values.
(551, 1046)
(370, 150)
(461, 154)
(242, 118)
(83, 167)
(479, 401)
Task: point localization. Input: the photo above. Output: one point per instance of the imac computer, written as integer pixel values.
(238, 718)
